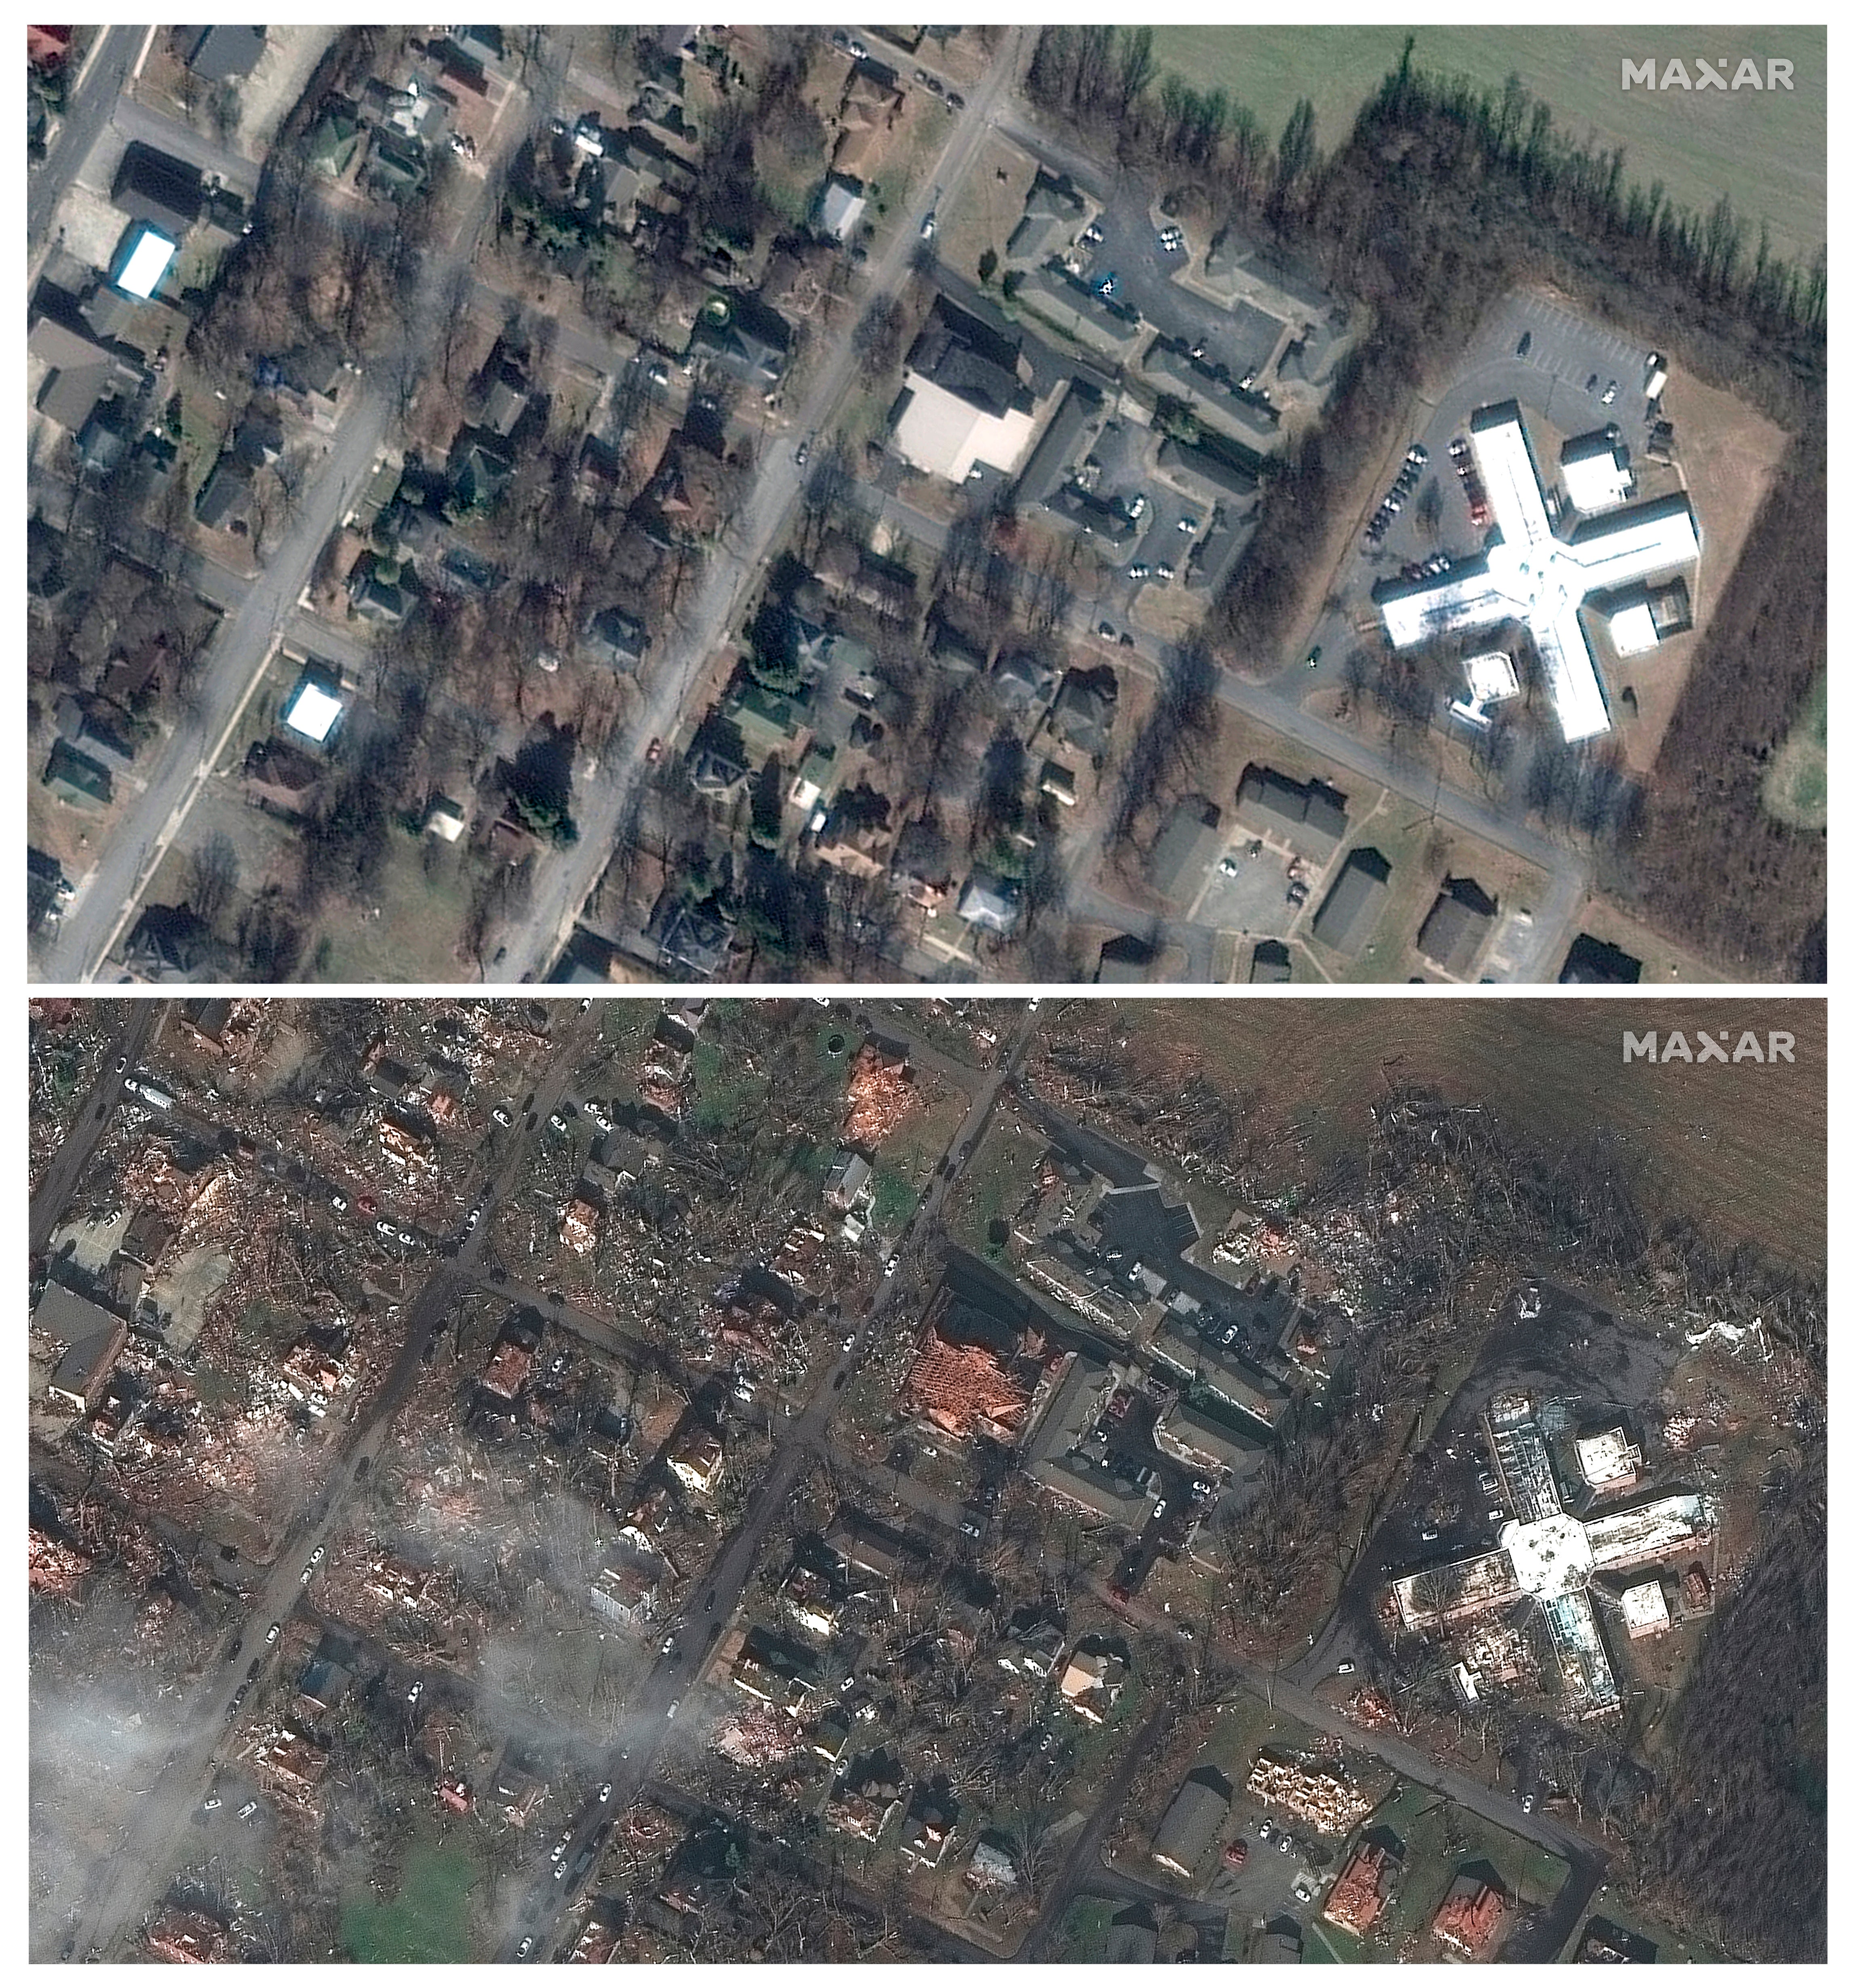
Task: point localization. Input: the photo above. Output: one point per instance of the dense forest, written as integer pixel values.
(1445, 196)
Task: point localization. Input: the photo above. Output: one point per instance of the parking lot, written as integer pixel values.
(1252, 901)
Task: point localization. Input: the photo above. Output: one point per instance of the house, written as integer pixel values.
(931, 1822)
(840, 210)
(920, 864)
(626, 1592)
(93, 1340)
(143, 260)
(1454, 930)
(77, 779)
(279, 777)
(80, 371)
(1084, 710)
(1021, 679)
(1470, 1915)
(1185, 1841)
(1354, 904)
(1052, 216)
(1095, 1675)
(1185, 847)
(505, 397)
(1033, 1652)
(47, 891)
(1125, 960)
(698, 1459)
(378, 590)
(154, 188)
(1272, 965)
(779, 1670)
(991, 1866)
(1130, 1940)
(315, 706)
(190, 1938)
(697, 940)
(617, 641)
(990, 902)
(1311, 817)
(851, 1177)
(1205, 1442)
(1357, 1899)
(744, 337)
(1591, 962)
(226, 499)
(219, 55)
(170, 943)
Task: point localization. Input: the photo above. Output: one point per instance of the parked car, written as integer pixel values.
(276, 1630)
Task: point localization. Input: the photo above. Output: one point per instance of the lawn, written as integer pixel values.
(992, 1186)
(1795, 789)
(1083, 1931)
(407, 927)
(1765, 149)
(1439, 1837)
(428, 1921)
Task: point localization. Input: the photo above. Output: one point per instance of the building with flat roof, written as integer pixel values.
(1528, 573)
(1597, 472)
(315, 706)
(964, 402)
(146, 254)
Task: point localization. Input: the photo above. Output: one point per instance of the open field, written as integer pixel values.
(1739, 1146)
(427, 1920)
(1795, 787)
(1765, 149)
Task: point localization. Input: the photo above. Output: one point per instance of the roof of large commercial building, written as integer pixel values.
(1527, 574)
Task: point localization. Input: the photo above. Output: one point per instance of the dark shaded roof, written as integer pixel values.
(1193, 1819)
(226, 496)
(1084, 709)
(1230, 468)
(1048, 468)
(1272, 963)
(1182, 849)
(1125, 959)
(153, 187)
(969, 359)
(219, 54)
(1348, 913)
(1302, 809)
(1592, 962)
(77, 777)
(170, 943)
(1455, 927)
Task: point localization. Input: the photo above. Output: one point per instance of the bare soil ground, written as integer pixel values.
(1740, 1146)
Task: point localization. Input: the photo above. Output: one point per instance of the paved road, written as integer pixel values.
(648, 1732)
(139, 124)
(144, 1023)
(99, 89)
(153, 1845)
(734, 564)
(235, 662)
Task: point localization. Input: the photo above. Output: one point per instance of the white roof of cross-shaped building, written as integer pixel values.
(1527, 574)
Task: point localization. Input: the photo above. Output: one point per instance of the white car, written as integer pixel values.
(1228, 867)
(929, 226)
(674, 1706)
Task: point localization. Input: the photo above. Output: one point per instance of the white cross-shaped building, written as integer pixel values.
(1528, 573)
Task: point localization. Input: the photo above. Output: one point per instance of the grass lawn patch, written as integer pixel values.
(428, 1918)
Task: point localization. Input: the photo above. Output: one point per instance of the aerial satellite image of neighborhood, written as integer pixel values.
(667, 1477)
(969, 504)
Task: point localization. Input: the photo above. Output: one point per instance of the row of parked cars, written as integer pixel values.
(1412, 464)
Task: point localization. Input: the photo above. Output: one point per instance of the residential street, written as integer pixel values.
(563, 886)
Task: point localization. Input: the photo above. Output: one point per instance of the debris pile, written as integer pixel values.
(881, 1095)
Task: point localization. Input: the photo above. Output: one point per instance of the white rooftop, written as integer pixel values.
(1548, 1555)
(1633, 631)
(1595, 479)
(947, 437)
(1642, 1609)
(148, 258)
(1608, 1455)
(312, 711)
(1528, 574)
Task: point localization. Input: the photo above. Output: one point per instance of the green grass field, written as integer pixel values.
(1795, 789)
(428, 1921)
(1766, 149)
